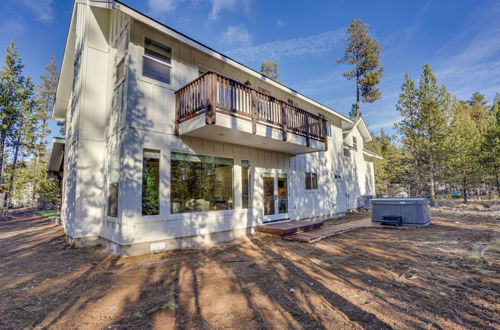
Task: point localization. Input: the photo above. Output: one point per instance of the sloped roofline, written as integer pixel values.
(126, 9)
(362, 128)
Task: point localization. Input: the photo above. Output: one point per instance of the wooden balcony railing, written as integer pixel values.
(213, 93)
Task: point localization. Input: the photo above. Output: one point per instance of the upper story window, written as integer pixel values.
(328, 130)
(311, 181)
(157, 61)
(354, 142)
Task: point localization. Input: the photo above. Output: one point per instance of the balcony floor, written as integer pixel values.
(239, 131)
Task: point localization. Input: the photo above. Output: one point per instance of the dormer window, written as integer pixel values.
(354, 142)
(157, 61)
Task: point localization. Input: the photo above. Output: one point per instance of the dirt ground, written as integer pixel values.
(445, 276)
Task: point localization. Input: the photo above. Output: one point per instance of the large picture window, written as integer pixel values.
(311, 181)
(200, 183)
(157, 61)
(151, 182)
(113, 185)
(245, 184)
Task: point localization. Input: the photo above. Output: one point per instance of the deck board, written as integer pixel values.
(288, 228)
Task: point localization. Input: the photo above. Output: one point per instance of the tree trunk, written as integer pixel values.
(465, 188)
(431, 177)
(418, 184)
(497, 182)
(35, 180)
(12, 176)
(2, 153)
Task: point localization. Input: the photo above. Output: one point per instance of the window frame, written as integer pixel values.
(233, 189)
(329, 130)
(114, 156)
(309, 181)
(355, 142)
(249, 168)
(157, 60)
(158, 151)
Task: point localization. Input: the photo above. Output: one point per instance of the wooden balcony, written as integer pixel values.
(219, 108)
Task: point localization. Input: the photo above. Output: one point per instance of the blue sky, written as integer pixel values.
(460, 40)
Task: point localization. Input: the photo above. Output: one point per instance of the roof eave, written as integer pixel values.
(63, 91)
(198, 45)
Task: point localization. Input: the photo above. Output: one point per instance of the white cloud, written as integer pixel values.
(236, 35)
(12, 27)
(217, 6)
(383, 124)
(280, 23)
(162, 7)
(315, 44)
(42, 8)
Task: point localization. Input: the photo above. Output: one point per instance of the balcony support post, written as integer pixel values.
(254, 112)
(323, 133)
(211, 98)
(177, 113)
(283, 121)
(308, 141)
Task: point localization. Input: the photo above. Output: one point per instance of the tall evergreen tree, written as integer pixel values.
(434, 106)
(410, 129)
(463, 143)
(46, 91)
(24, 131)
(11, 86)
(363, 53)
(490, 147)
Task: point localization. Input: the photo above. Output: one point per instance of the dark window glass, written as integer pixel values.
(354, 142)
(328, 130)
(200, 183)
(157, 50)
(113, 185)
(308, 181)
(156, 70)
(245, 184)
(314, 181)
(311, 181)
(151, 182)
(157, 58)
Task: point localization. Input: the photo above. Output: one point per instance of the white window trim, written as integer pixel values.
(170, 65)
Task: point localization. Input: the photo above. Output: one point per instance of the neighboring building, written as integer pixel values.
(170, 144)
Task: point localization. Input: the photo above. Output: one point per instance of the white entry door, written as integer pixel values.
(275, 188)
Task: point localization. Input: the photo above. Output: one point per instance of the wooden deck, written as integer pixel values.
(313, 231)
(288, 228)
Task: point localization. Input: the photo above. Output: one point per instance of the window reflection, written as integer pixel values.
(201, 183)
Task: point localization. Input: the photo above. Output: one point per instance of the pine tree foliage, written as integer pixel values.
(269, 68)
(11, 88)
(363, 53)
(463, 144)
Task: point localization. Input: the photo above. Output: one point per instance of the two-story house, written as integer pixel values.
(171, 144)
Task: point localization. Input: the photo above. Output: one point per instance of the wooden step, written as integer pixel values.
(288, 228)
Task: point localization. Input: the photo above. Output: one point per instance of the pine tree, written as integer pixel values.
(363, 53)
(490, 147)
(46, 98)
(269, 68)
(24, 131)
(463, 143)
(11, 85)
(410, 129)
(392, 168)
(434, 107)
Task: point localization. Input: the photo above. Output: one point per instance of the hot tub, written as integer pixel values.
(413, 211)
